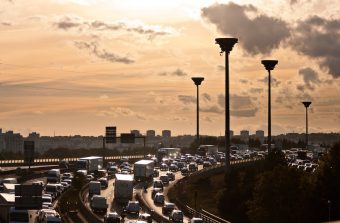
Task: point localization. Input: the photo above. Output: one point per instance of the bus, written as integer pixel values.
(168, 153)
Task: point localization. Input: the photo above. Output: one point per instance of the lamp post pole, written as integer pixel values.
(197, 81)
(269, 66)
(306, 104)
(226, 45)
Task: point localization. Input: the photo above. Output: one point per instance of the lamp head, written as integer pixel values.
(197, 80)
(269, 64)
(306, 103)
(226, 44)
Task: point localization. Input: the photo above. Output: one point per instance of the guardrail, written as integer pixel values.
(17, 162)
(83, 209)
(206, 216)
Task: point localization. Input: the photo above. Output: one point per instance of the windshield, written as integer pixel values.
(18, 217)
(133, 206)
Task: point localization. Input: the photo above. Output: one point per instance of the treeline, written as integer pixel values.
(273, 192)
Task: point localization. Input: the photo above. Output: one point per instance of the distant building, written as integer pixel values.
(231, 133)
(135, 132)
(12, 142)
(260, 135)
(166, 133)
(244, 134)
(150, 133)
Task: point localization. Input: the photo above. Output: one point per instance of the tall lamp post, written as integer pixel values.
(197, 81)
(269, 65)
(226, 45)
(306, 104)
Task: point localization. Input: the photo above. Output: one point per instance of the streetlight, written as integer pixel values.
(269, 65)
(197, 81)
(306, 104)
(226, 45)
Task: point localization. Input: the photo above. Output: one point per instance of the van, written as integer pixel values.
(99, 204)
(52, 189)
(94, 188)
(53, 176)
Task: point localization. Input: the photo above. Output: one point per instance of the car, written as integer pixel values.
(164, 179)
(145, 217)
(192, 167)
(206, 164)
(155, 191)
(133, 207)
(103, 182)
(180, 165)
(112, 170)
(38, 182)
(112, 217)
(173, 167)
(42, 212)
(168, 208)
(89, 177)
(176, 216)
(155, 173)
(171, 176)
(164, 167)
(158, 184)
(196, 220)
(159, 198)
(67, 176)
(185, 171)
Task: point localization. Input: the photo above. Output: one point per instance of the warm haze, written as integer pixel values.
(76, 66)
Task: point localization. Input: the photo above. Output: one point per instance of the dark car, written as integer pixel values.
(193, 167)
(158, 184)
(170, 175)
(155, 173)
(176, 216)
(103, 182)
(206, 164)
(112, 217)
(185, 171)
(173, 167)
(164, 179)
(164, 166)
(168, 208)
(133, 207)
(145, 217)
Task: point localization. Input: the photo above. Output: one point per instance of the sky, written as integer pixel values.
(71, 67)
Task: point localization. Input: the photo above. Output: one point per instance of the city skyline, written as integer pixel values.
(74, 67)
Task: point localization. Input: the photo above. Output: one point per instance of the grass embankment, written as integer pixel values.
(207, 191)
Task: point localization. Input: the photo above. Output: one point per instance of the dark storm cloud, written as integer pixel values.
(68, 23)
(319, 38)
(102, 53)
(260, 34)
(186, 99)
(310, 78)
(178, 72)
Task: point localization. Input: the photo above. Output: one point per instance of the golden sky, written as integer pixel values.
(76, 66)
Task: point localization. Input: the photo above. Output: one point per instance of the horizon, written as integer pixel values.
(76, 66)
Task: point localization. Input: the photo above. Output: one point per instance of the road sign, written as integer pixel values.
(29, 152)
(111, 134)
(28, 202)
(28, 196)
(127, 138)
(28, 190)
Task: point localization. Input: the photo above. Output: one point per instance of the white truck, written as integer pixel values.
(143, 170)
(123, 188)
(90, 164)
(53, 176)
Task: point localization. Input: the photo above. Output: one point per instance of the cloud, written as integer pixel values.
(206, 97)
(212, 109)
(260, 34)
(102, 53)
(243, 81)
(255, 90)
(186, 99)
(6, 24)
(208, 119)
(241, 106)
(274, 81)
(121, 112)
(68, 23)
(178, 72)
(310, 78)
(319, 38)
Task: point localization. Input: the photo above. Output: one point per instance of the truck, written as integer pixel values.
(99, 204)
(53, 176)
(143, 170)
(123, 189)
(207, 150)
(90, 164)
